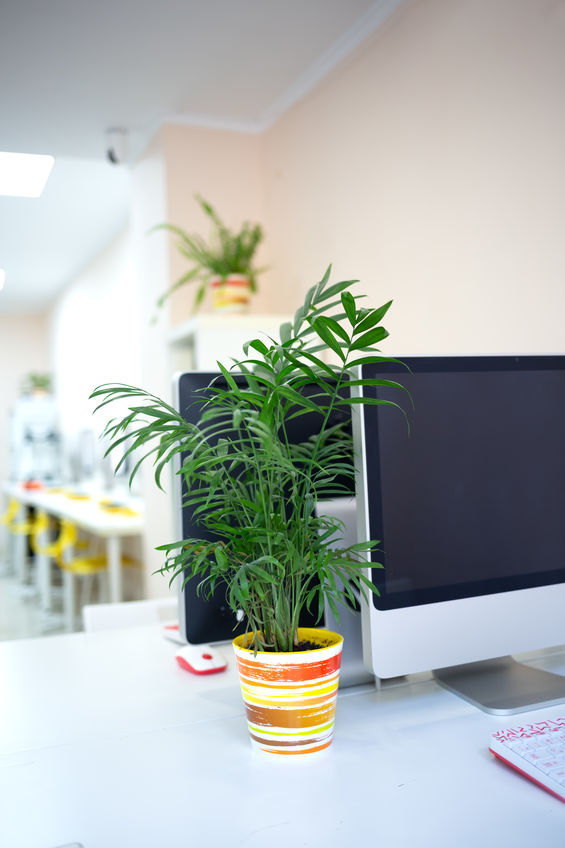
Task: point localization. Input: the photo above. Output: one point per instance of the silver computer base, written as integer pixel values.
(503, 686)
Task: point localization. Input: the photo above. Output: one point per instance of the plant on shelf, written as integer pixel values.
(225, 263)
(36, 383)
(254, 489)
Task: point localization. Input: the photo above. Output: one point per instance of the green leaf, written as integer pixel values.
(264, 373)
(375, 316)
(325, 334)
(319, 288)
(375, 359)
(348, 302)
(335, 328)
(220, 557)
(369, 339)
(229, 379)
(285, 332)
(335, 289)
(298, 319)
(257, 345)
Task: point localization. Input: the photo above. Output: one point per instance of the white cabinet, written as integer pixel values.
(198, 344)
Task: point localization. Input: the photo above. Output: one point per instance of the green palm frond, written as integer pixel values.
(247, 481)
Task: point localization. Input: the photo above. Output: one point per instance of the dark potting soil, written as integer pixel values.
(304, 645)
(310, 646)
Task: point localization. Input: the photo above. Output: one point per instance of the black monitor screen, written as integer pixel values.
(470, 498)
(210, 619)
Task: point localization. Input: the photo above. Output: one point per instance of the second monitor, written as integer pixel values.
(210, 620)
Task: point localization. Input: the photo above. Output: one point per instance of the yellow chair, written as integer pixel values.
(86, 565)
(82, 565)
(41, 526)
(11, 512)
(20, 528)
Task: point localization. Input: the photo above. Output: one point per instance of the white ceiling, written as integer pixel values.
(72, 69)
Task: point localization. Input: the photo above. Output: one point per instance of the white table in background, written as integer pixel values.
(105, 741)
(89, 516)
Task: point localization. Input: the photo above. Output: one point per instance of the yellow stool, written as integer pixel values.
(41, 526)
(82, 565)
(85, 565)
(19, 529)
(6, 520)
(45, 551)
(11, 512)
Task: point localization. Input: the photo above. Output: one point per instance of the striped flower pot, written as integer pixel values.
(231, 293)
(290, 697)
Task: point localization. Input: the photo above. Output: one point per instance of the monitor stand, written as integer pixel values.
(503, 686)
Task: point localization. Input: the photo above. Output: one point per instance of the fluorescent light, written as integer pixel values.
(24, 174)
(2, 278)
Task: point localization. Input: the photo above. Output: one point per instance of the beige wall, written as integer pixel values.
(94, 334)
(149, 207)
(23, 349)
(431, 167)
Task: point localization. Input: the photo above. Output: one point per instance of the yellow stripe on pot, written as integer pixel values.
(251, 683)
(282, 733)
(307, 693)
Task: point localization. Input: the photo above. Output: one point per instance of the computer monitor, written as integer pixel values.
(210, 620)
(466, 491)
(202, 620)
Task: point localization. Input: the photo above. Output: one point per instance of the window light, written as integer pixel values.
(2, 278)
(24, 174)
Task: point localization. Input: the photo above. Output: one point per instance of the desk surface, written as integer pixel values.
(86, 513)
(105, 741)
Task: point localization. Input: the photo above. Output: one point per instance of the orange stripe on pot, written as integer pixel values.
(284, 743)
(229, 282)
(289, 673)
(298, 751)
(272, 747)
(299, 717)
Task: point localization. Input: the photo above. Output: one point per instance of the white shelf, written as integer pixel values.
(199, 342)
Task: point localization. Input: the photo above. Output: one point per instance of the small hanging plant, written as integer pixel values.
(225, 254)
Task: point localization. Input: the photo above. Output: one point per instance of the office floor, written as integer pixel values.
(20, 616)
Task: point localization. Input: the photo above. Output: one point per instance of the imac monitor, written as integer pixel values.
(202, 620)
(466, 493)
(209, 620)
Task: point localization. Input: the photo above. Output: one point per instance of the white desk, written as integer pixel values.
(88, 515)
(104, 740)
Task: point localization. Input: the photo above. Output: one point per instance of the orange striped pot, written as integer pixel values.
(231, 293)
(290, 697)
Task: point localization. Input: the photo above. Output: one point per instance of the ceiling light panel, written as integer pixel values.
(24, 174)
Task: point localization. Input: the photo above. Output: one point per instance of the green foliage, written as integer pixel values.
(34, 381)
(226, 253)
(247, 481)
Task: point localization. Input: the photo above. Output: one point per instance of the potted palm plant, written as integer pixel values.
(224, 263)
(256, 491)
